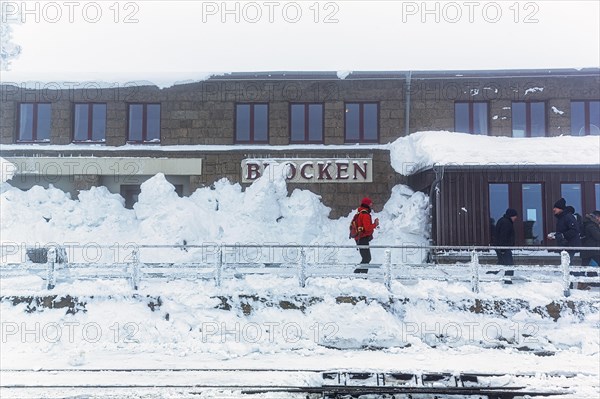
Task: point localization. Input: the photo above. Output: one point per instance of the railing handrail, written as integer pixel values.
(133, 245)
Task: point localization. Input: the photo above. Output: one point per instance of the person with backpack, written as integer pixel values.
(361, 230)
(591, 238)
(567, 228)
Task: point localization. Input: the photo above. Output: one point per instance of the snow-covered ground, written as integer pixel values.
(267, 321)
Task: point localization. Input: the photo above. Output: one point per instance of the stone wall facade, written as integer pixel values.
(203, 114)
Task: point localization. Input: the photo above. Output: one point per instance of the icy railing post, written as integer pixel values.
(474, 272)
(50, 268)
(565, 261)
(219, 267)
(387, 269)
(135, 269)
(302, 268)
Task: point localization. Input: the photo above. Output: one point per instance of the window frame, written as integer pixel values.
(361, 128)
(251, 132)
(34, 123)
(586, 116)
(90, 130)
(471, 116)
(306, 111)
(528, 117)
(144, 139)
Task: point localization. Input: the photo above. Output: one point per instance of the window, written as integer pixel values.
(571, 192)
(597, 190)
(34, 122)
(362, 123)
(533, 221)
(306, 123)
(90, 122)
(498, 194)
(471, 117)
(528, 119)
(252, 123)
(585, 118)
(144, 123)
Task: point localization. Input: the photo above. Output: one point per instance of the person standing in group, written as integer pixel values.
(591, 238)
(567, 228)
(504, 234)
(362, 229)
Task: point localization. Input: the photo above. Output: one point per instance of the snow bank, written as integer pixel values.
(224, 213)
(420, 151)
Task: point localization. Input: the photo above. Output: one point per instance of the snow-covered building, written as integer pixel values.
(334, 130)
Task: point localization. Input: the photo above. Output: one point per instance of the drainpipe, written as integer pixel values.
(407, 105)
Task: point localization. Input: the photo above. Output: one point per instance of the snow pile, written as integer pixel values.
(224, 213)
(420, 151)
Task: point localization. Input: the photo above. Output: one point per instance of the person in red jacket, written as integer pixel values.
(366, 227)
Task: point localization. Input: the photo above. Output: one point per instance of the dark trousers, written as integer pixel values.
(505, 258)
(365, 254)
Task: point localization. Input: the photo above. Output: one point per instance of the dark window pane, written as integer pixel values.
(480, 118)
(538, 119)
(26, 122)
(597, 190)
(297, 123)
(81, 122)
(461, 117)
(595, 118)
(99, 122)
(136, 112)
(315, 122)
(533, 222)
(571, 192)
(153, 122)
(370, 121)
(519, 119)
(577, 118)
(352, 122)
(261, 122)
(498, 194)
(242, 122)
(44, 122)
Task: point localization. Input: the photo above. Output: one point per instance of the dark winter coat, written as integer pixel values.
(567, 230)
(505, 232)
(591, 237)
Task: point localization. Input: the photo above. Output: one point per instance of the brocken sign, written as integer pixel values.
(313, 170)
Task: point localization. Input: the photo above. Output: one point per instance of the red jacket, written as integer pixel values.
(365, 221)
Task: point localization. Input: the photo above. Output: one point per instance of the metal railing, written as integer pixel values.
(221, 261)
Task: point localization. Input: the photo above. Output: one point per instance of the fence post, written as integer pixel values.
(135, 269)
(474, 272)
(50, 268)
(565, 261)
(302, 268)
(219, 267)
(387, 277)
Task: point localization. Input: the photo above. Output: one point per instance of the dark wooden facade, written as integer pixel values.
(460, 205)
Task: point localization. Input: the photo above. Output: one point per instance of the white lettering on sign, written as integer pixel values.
(313, 170)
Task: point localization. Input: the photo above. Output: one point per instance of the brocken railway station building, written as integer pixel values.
(331, 129)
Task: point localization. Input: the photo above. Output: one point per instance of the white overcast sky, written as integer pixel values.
(180, 40)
